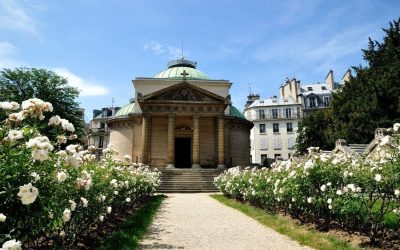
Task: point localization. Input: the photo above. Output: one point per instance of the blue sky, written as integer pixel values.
(102, 45)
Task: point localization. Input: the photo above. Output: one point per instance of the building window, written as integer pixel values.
(323, 87)
(327, 101)
(309, 89)
(261, 114)
(101, 141)
(262, 128)
(274, 113)
(289, 127)
(289, 113)
(102, 125)
(275, 127)
(263, 144)
(290, 143)
(277, 156)
(264, 157)
(312, 102)
(277, 143)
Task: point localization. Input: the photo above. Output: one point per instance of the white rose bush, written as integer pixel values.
(332, 191)
(51, 192)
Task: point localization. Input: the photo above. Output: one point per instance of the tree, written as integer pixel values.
(23, 83)
(371, 99)
(315, 130)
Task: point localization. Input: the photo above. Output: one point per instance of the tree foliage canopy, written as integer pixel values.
(369, 100)
(23, 83)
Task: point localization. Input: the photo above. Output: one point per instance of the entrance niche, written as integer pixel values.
(183, 152)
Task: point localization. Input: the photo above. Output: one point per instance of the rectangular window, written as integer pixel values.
(102, 125)
(276, 156)
(327, 101)
(312, 102)
(262, 128)
(289, 113)
(277, 143)
(274, 113)
(264, 157)
(261, 114)
(101, 141)
(290, 142)
(263, 144)
(275, 127)
(289, 127)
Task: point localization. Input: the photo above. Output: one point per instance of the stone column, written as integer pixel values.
(221, 143)
(145, 139)
(171, 142)
(196, 142)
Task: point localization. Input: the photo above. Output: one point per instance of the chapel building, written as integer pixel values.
(181, 119)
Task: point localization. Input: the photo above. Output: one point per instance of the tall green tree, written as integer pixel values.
(23, 83)
(315, 130)
(371, 99)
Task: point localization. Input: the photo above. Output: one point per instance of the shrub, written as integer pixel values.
(49, 195)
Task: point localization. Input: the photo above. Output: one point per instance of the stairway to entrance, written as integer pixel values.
(188, 181)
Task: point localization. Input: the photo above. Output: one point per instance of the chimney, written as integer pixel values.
(329, 81)
(346, 77)
(250, 99)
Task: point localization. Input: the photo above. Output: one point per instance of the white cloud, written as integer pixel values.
(7, 48)
(8, 53)
(86, 88)
(14, 16)
(161, 49)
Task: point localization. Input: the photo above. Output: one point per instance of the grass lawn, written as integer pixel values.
(286, 226)
(135, 227)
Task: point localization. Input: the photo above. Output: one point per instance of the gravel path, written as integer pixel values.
(197, 221)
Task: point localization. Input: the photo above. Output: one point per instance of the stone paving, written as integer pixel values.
(197, 221)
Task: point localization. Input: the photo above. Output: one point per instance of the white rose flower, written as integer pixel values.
(329, 184)
(72, 204)
(101, 217)
(12, 245)
(14, 134)
(330, 206)
(2, 217)
(109, 209)
(323, 188)
(35, 176)
(116, 192)
(9, 105)
(66, 215)
(378, 177)
(128, 199)
(84, 202)
(397, 192)
(339, 192)
(55, 120)
(61, 176)
(28, 194)
(309, 199)
(396, 127)
(329, 201)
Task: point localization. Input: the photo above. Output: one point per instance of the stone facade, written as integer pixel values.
(182, 122)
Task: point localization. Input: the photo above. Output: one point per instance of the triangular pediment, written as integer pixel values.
(184, 92)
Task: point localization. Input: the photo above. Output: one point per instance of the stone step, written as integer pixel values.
(188, 191)
(188, 181)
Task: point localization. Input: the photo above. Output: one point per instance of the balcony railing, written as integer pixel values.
(274, 117)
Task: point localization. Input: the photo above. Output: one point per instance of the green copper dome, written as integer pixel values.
(177, 68)
(233, 111)
(126, 110)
